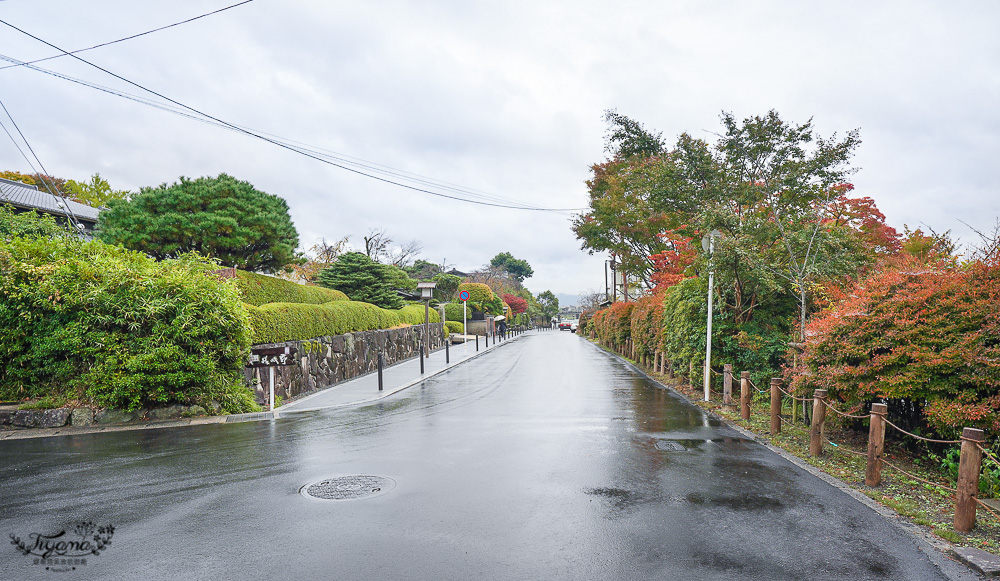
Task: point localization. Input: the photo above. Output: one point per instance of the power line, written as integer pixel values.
(373, 166)
(286, 146)
(131, 37)
(61, 198)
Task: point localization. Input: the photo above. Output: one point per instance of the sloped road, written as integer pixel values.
(546, 459)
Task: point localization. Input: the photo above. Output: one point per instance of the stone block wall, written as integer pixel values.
(326, 361)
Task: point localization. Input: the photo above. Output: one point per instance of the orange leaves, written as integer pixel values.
(915, 332)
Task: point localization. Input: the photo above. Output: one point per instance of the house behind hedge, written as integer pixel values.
(25, 198)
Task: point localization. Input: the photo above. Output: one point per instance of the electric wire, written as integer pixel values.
(131, 37)
(257, 135)
(61, 198)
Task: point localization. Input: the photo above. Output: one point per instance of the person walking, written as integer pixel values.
(503, 330)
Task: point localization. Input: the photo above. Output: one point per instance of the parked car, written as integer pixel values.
(569, 325)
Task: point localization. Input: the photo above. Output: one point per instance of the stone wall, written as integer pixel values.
(325, 361)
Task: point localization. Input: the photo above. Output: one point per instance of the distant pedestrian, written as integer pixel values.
(503, 330)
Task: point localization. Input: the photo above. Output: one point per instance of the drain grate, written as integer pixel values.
(250, 417)
(348, 487)
(670, 446)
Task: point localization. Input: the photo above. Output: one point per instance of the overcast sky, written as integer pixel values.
(505, 99)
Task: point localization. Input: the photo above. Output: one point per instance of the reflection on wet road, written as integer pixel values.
(546, 459)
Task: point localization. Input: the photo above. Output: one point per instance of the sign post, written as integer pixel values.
(271, 357)
(464, 297)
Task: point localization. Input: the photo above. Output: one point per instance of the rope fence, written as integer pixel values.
(964, 494)
(972, 450)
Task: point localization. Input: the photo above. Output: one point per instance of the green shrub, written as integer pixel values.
(453, 312)
(279, 322)
(30, 224)
(115, 328)
(414, 315)
(260, 289)
(455, 327)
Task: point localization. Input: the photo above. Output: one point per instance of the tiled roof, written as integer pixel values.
(25, 196)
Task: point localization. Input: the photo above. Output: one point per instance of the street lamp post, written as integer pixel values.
(708, 244)
(426, 293)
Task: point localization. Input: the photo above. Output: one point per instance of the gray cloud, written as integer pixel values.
(506, 98)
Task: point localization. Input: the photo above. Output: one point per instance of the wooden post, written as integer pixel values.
(876, 443)
(775, 405)
(969, 466)
(670, 368)
(745, 395)
(819, 416)
(727, 384)
(656, 361)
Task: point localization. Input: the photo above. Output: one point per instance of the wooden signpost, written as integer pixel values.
(271, 357)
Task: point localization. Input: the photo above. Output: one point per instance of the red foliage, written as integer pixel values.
(516, 304)
(670, 265)
(925, 333)
(647, 324)
(863, 217)
(613, 325)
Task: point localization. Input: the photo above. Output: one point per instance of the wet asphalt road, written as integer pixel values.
(546, 459)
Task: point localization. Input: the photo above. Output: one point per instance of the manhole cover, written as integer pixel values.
(670, 446)
(348, 487)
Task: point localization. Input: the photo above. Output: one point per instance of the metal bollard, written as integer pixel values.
(380, 364)
(447, 354)
(420, 356)
(477, 343)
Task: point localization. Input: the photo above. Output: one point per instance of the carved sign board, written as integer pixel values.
(268, 356)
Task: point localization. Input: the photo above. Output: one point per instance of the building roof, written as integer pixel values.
(25, 196)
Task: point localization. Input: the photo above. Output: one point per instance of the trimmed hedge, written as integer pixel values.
(112, 327)
(455, 327)
(414, 315)
(260, 289)
(453, 312)
(280, 322)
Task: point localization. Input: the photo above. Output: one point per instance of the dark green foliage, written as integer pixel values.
(685, 306)
(279, 322)
(549, 304)
(362, 279)
(221, 217)
(113, 327)
(31, 224)
(259, 289)
(454, 312)
(447, 285)
(517, 269)
(627, 137)
(455, 327)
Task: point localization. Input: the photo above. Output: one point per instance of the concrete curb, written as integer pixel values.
(29, 433)
(278, 412)
(938, 550)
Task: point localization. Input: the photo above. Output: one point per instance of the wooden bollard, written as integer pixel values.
(775, 405)
(745, 395)
(656, 361)
(876, 443)
(819, 416)
(969, 465)
(670, 368)
(727, 384)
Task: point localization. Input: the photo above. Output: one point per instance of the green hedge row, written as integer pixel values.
(455, 327)
(279, 322)
(259, 289)
(112, 327)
